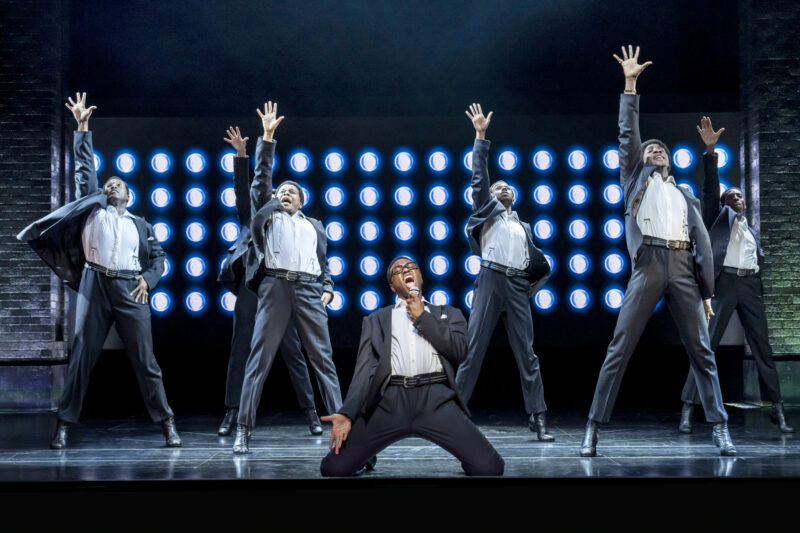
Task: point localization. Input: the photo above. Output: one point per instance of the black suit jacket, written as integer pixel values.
(443, 326)
(57, 236)
(233, 267)
(485, 206)
(262, 207)
(633, 175)
(718, 218)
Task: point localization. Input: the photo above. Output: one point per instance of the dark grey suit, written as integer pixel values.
(496, 295)
(101, 300)
(280, 301)
(383, 414)
(741, 293)
(682, 277)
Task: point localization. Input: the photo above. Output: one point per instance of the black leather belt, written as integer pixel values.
(113, 272)
(290, 275)
(410, 382)
(669, 245)
(511, 272)
(740, 271)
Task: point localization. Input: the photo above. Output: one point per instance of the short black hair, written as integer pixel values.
(722, 199)
(393, 261)
(299, 190)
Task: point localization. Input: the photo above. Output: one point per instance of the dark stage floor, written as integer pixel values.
(635, 445)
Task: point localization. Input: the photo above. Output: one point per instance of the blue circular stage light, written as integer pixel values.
(334, 161)
(468, 299)
(579, 263)
(336, 265)
(723, 156)
(404, 230)
(131, 197)
(299, 162)
(683, 158)
(543, 160)
(508, 160)
(578, 160)
(369, 161)
(160, 302)
(334, 196)
(439, 265)
(160, 197)
(404, 161)
(686, 185)
(545, 300)
(579, 229)
(369, 196)
(98, 161)
(196, 232)
(613, 298)
(195, 197)
(338, 302)
(226, 161)
(614, 263)
(369, 231)
(404, 196)
(370, 300)
(160, 162)
(195, 266)
(163, 231)
(335, 231)
(228, 197)
(466, 160)
(438, 195)
(438, 161)
(440, 297)
(369, 265)
(167, 268)
(439, 230)
(543, 229)
(551, 260)
(468, 195)
(612, 194)
(306, 195)
(613, 228)
(580, 299)
(578, 194)
(472, 265)
(227, 301)
(229, 231)
(125, 163)
(195, 162)
(611, 159)
(195, 302)
(543, 195)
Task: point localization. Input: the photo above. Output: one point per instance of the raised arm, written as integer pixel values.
(480, 156)
(711, 204)
(261, 189)
(83, 154)
(241, 174)
(630, 140)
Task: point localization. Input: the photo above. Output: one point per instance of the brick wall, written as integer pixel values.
(32, 53)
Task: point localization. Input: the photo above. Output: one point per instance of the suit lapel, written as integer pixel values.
(144, 254)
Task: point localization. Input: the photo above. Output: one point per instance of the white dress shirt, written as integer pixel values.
(662, 213)
(742, 252)
(111, 240)
(292, 244)
(503, 241)
(412, 354)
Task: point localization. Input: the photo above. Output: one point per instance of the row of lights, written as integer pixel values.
(403, 160)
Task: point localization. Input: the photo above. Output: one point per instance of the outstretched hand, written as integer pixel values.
(235, 139)
(630, 62)
(269, 120)
(479, 122)
(707, 133)
(341, 428)
(79, 111)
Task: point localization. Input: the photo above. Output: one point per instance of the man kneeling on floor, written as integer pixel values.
(404, 384)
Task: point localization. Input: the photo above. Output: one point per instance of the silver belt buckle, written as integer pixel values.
(672, 245)
(409, 382)
(741, 272)
(111, 273)
(509, 272)
(291, 275)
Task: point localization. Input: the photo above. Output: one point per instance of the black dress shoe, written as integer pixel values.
(538, 423)
(242, 443)
(722, 439)
(59, 441)
(314, 424)
(685, 425)
(778, 416)
(371, 462)
(589, 444)
(226, 427)
(171, 434)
